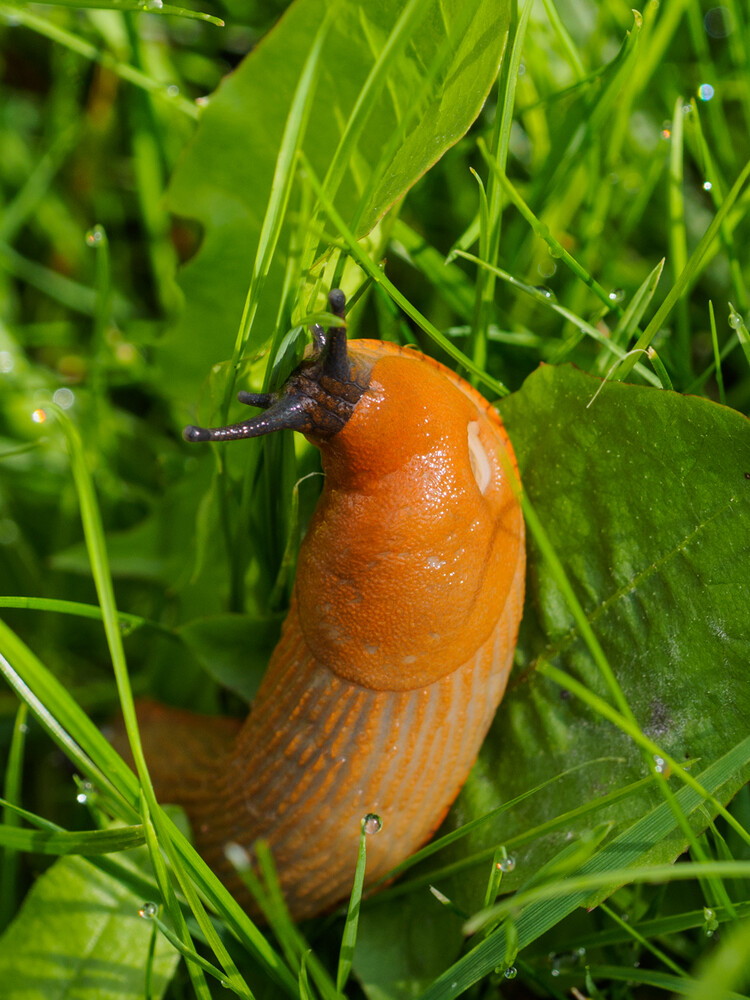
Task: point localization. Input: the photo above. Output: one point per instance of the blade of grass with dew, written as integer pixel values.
(349, 937)
(714, 184)
(67, 724)
(561, 822)
(195, 970)
(538, 917)
(633, 313)
(76, 44)
(12, 782)
(634, 934)
(658, 927)
(689, 272)
(562, 311)
(154, 7)
(653, 977)
(557, 250)
(738, 325)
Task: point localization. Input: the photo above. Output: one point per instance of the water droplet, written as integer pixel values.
(64, 398)
(555, 972)
(86, 792)
(154, 4)
(202, 102)
(148, 911)
(707, 185)
(506, 864)
(95, 237)
(237, 856)
(705, 91)
(511, 972)
(545, 292)
(372, 823)
(718, 22)
(6, 362)
(556, 250)
(39, 416)
(173, 90)
(617, 295)
(666, 130)
(547, 268)
(521, 69)
(687, 109)
(661, 766)
(735, 320)
(580, 952)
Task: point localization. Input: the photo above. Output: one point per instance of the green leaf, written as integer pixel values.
(643, 494)
(78, 936)
(433, 90)
(233, 649)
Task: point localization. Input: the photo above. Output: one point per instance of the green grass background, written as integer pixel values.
(597, 205)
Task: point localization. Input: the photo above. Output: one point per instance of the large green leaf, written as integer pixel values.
(645, 495)
(424, 102)
(78, 936)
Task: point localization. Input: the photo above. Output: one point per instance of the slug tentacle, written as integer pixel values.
(317, 399)
(400, 635)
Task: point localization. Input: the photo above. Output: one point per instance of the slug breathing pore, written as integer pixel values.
(399, 638)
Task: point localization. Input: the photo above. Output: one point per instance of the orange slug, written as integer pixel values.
(399, 638)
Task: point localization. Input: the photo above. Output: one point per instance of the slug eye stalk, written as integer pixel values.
(317, 399)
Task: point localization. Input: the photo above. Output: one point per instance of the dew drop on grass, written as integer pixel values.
(511, 972)
(154, 4)
(617, 295)
(545, 292)
(707, 185)
(39, 416)
(95, 237)
(86, 793)
(506, 864)
(64, 398)
(705, 91)
(148, 911)
(661, 766)
(372, 823)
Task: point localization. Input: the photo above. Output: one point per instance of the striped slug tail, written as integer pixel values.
(182, 749)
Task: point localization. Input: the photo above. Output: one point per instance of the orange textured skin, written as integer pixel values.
(395, 653)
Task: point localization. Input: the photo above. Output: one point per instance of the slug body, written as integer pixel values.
(397, 646)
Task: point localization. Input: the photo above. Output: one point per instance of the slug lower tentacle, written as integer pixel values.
(400, 635)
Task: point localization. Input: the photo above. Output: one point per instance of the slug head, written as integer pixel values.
(317, 399)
